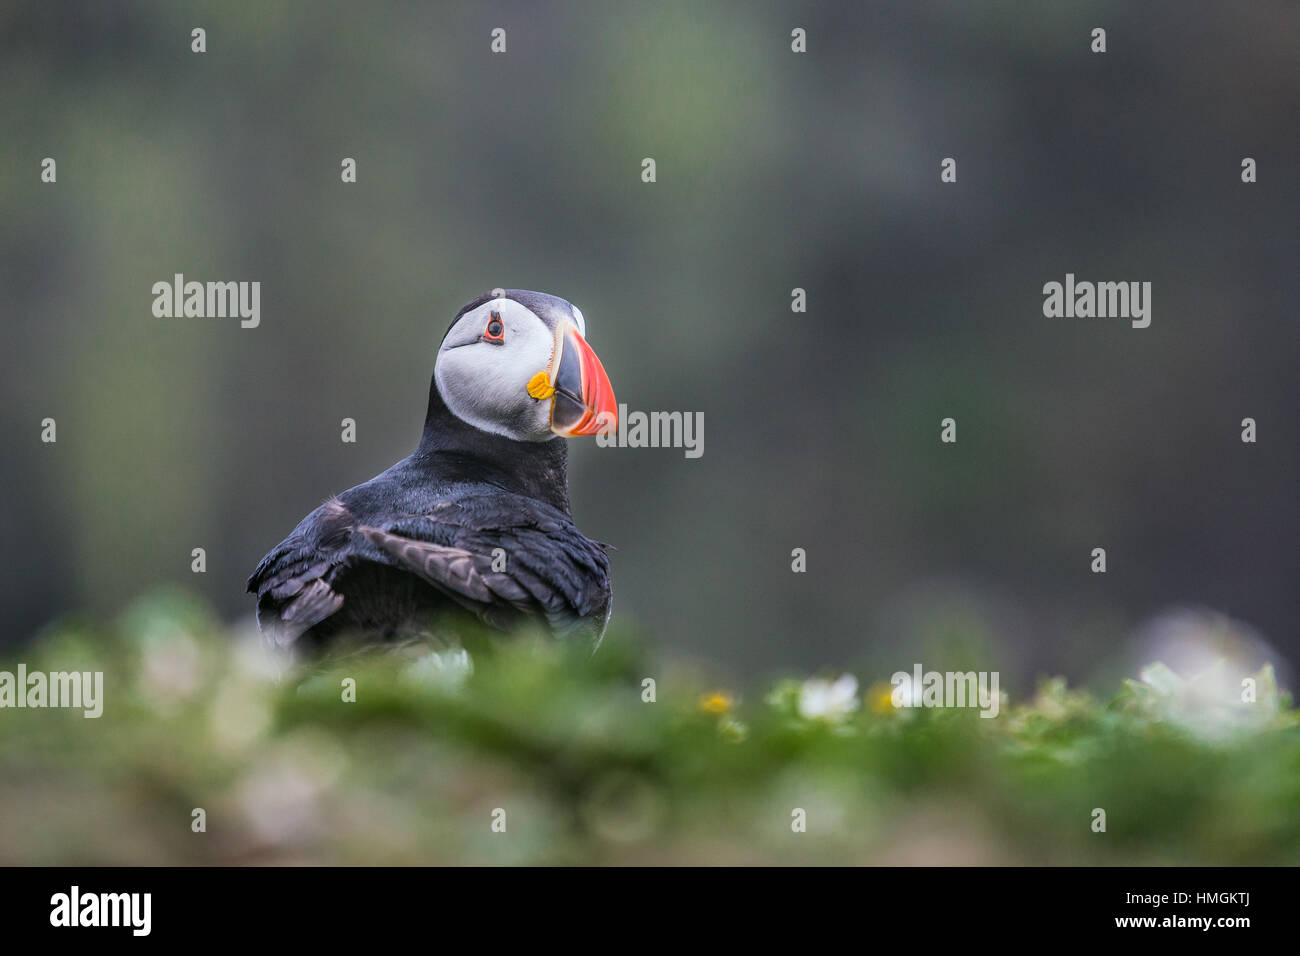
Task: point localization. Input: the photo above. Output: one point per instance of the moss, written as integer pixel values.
(418, 766)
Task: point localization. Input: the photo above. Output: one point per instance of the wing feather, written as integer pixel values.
(453, 544)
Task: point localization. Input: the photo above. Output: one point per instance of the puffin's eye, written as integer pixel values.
(495, 331)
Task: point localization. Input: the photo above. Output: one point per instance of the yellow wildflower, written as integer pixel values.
(716, 702)
(880, 698)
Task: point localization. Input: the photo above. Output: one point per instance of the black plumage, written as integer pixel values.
(415, 546)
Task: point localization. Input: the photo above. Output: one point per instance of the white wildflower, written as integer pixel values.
(827, 700)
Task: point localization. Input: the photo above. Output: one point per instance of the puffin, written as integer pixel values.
(475, 523)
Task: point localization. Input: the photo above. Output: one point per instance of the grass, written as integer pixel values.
(416, 768)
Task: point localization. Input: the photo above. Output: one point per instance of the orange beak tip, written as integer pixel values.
(601, 407)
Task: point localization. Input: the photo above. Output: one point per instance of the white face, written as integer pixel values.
(485, 382)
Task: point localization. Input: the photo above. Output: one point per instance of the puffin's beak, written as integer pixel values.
(583, 403)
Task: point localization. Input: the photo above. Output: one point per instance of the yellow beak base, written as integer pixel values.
(540, 387)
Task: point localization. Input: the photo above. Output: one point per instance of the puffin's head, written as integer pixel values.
(517, 363)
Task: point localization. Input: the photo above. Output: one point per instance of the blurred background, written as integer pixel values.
(775, 171)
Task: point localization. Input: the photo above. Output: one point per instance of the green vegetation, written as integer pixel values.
(587, 772)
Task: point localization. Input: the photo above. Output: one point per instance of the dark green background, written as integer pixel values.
(774, 170)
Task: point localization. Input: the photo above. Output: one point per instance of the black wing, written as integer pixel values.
(503, 557)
